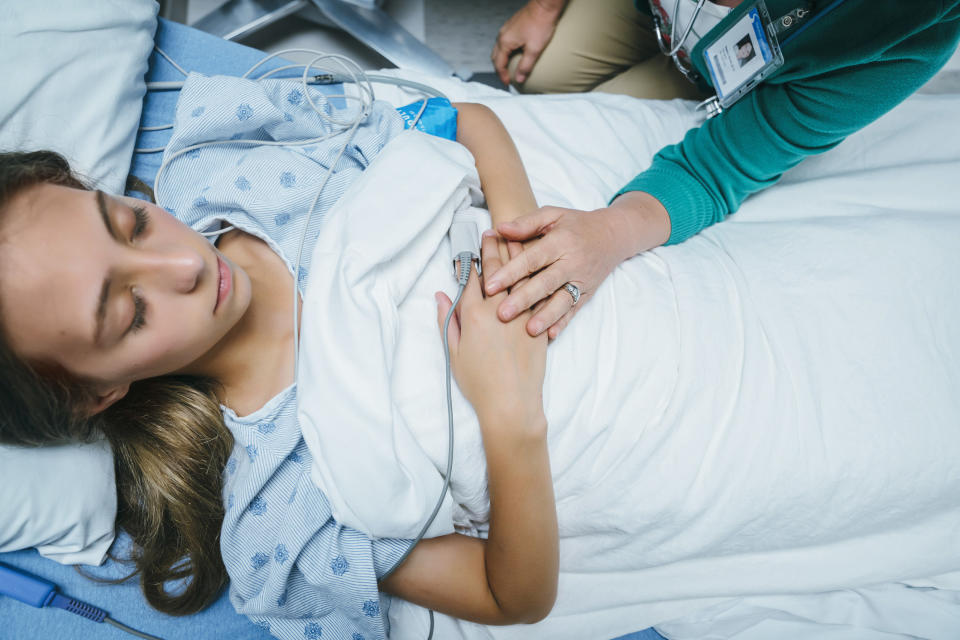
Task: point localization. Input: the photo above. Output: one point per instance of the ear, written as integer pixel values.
(103, 400)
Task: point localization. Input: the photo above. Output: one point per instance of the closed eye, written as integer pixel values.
(139, 315)
(140, 221)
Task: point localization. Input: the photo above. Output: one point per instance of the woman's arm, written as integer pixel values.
(502, 176)
(512, 576)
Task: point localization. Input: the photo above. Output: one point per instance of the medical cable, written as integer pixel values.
(464, 261)
(37, 592)
(355, 73)
(318, 79)
(171, 61)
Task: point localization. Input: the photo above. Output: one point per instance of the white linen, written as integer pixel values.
(767, 408)
(335, 386)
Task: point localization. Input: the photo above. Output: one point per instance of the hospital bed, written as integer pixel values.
(867, 174)
(197, 51)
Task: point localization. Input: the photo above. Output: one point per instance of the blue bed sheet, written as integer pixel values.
(194, 51)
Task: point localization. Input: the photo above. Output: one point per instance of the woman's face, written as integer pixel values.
(112, 289)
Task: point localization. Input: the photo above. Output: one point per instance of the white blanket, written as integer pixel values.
(769, 408)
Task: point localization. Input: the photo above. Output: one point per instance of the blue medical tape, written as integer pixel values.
(439, 118)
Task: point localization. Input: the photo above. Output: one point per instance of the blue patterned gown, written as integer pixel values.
(293, 568)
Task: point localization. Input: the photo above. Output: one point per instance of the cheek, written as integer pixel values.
(170, 344)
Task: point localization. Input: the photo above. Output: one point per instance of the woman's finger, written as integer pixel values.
(530, 225)
(502, 248)
(527, 60)
(561, 324)
(500, 59)
(514, 248)
(534, 257)
(472, 295)
(490, 256)
(557, 307)
(524, 295)
(453, 331)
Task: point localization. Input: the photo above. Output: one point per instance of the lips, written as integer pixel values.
(224, 282)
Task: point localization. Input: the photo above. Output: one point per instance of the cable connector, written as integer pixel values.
(464, 248)
(78, 607)
(463, 262)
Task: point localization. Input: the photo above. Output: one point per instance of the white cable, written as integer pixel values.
(170, 60)
(157, 128)
(165, 85)
(210, 234)
(423, 107)
(176, 85)
(337, 125)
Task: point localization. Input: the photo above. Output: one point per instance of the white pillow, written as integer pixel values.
(61, 500)
(73, 81)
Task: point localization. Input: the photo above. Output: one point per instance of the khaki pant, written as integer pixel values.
(606, 45)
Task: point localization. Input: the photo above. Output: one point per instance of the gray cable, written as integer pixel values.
(465, 262)
(446, 480)
(133, 632)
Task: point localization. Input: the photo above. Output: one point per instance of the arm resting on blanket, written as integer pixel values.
(512, 576)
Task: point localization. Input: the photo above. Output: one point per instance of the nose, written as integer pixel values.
(173, 268)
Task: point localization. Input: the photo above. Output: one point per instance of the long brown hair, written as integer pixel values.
(169, 441)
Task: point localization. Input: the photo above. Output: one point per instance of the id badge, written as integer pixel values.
(743, 55)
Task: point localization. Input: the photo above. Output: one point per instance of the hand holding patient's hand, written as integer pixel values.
(568, 245)
(498, 366)
(560, 246)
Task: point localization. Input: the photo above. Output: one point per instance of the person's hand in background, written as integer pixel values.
(528, 30)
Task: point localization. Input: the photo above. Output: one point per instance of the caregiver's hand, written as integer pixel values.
(567, 245)
(529, 30)
(498, 366)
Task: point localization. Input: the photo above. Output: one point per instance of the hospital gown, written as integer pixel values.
(293, 568)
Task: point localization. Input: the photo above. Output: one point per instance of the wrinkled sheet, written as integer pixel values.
(767, 409)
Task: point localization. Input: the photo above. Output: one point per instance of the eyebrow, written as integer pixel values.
(101, 312)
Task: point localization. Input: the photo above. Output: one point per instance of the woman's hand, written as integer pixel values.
(567, 245)
(529, 30)
(499, 367)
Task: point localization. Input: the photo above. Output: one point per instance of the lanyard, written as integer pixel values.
(675, 45)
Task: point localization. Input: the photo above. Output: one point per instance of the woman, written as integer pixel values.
(844, 66)
(137, 327)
